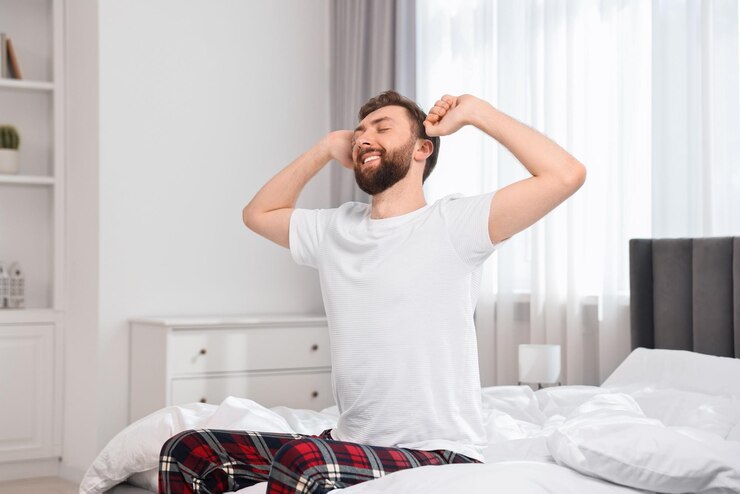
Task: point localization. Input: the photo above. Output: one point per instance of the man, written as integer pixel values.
(400, 280)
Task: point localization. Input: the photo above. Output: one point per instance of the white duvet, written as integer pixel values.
(665, 421)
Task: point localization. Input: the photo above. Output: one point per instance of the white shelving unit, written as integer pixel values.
(30, 85)
(26, 180)
(32, 233)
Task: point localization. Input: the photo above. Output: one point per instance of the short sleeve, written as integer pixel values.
(467, 224)
(307, 228)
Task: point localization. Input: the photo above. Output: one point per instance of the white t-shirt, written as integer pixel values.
(399, 295)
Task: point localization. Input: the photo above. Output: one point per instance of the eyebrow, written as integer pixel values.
(373, 122)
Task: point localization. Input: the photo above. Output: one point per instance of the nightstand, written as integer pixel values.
(273, 360)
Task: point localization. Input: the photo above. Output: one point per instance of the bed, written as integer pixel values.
(666, 420)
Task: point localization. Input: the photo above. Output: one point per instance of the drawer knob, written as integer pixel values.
(314, 347)
(203, 400)
(315, 394)
(203, 351)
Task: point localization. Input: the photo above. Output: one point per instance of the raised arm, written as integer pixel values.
(556, 175)
(268, 213)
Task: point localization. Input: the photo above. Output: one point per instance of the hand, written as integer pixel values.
(339, 146)
(451, 113)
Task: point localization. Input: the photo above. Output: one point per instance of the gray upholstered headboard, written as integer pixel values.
(685, 294)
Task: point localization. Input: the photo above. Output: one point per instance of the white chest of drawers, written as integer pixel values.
(273, 360)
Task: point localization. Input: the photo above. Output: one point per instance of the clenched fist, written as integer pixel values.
(450, 113)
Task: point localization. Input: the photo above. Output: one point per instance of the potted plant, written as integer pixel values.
(9, 142)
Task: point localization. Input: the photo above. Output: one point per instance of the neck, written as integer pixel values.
(404, 197)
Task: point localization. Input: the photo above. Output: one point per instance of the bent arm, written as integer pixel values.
(268, 213)
(556, 174)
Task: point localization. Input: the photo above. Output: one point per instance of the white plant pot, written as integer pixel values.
(8, 161)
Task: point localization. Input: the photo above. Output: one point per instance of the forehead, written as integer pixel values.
(387, 114)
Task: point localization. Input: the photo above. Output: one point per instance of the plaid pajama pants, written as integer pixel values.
(214, 461)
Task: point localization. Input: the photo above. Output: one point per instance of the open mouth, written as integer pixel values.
(370, 156)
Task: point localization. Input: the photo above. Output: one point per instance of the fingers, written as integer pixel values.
(430, 128)
(438, 110)
(339, 145)
(447, 102)
(433, 118)
(441, 107)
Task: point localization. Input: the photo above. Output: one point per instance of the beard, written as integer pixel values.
(393, 166)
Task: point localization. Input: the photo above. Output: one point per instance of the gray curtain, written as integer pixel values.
(373, 49)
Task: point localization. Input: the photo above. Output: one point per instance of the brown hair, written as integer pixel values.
(416, 115)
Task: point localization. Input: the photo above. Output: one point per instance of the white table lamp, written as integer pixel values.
(539, 364)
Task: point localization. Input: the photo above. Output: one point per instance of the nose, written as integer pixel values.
(361, 143)
(361, 146)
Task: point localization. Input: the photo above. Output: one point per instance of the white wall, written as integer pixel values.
(200, 103)
(81, 396)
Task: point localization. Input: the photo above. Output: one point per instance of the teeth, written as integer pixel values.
(370, 158)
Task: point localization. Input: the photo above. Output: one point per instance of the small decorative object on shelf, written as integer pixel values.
(9, 143)
(4, 286)
(3, 55)
(17, 298)
(14, 68)
(9, 67)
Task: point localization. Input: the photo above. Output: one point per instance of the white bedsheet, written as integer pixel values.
(515, 477)
(630, 435)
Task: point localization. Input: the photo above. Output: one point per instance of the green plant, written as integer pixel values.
(9, 138)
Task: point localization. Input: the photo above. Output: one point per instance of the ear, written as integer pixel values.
(424, 149)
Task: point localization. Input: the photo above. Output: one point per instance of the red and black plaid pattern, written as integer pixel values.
(215, 461)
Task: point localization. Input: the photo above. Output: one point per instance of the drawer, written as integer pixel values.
(242, 349)
(312, 390)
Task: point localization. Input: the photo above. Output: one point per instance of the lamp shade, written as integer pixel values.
(539, 363)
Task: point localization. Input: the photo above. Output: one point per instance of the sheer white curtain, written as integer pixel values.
(696, 128)
(645, 94)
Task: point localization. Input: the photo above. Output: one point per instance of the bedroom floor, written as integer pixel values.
(49, 485)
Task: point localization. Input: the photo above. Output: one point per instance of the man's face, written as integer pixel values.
(382, 149)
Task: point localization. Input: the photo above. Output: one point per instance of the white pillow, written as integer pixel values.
(148, 480)
(137, 447)
(734, 434)
(678, 369)
(609, 437)
(134, 452)
(709, 413)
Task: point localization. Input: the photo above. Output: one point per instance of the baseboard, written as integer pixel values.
(29, 469)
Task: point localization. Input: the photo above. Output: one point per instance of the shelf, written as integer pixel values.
(26, 180)
(27, 85)
(28, 316)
